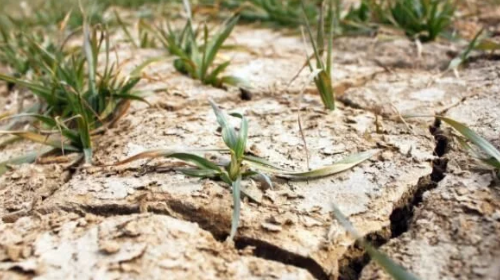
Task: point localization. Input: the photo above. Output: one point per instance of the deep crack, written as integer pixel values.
(355, 259)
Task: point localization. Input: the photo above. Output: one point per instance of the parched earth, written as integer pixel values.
(423, 200)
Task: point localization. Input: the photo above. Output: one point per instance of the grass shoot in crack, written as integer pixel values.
(491, 156)
(396, 271)
(323, 69)
(78, 101)
(241, 165)
(198, 60)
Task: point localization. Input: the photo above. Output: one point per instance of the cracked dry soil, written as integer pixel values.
(421, 199)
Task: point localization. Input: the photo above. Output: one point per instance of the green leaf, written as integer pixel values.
(479, 141)
(342, 165)
(183, 155)
(242, 139)
(228, 133)
(35, 137)
(395, 270)
(28, 158)
(235, 81)
(236, 207)
(215, 44)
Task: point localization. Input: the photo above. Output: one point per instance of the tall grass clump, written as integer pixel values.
(80, 95)
(323, 69)
(422, 19)
(197, 59)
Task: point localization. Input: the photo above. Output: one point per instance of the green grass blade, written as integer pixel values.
(35, 137)
(216, 42)
(236, 186)
(342, 165)
(242, 139)
(235, 81)
(228, 133)
(395, 270)
(151, 154)
(28, 158)
(479, 141)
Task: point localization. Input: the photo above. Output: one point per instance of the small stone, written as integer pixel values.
(14, 252)
(109, 247)
(271, 227)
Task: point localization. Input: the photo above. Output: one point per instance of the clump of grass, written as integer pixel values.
(197, 59)
(323, 69)
(77, 100)
(242, 165)
(422, 19)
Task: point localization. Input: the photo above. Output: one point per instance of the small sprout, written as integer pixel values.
(395, 270)
(323, 75)
(197, 60)
(242, 165)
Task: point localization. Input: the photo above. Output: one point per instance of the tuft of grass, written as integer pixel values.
(242, 165)
(78, 101)
(323, 69)
(422, 19)
(196, 59)
(395, 270)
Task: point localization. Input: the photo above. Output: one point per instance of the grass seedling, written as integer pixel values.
(422, 19)
(242, 165)
(197, 60)
(323, 78)
(77, 100)
(396, 271)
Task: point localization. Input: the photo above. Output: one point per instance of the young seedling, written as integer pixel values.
(493, 154)
(422, 19)
(78, 101)
(396, 271)
(242, 165)
(197, 60)
(323, 74)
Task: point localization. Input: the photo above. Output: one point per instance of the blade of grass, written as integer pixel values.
(479, 141)
(342, 165)
(395, 270)
(28, 158)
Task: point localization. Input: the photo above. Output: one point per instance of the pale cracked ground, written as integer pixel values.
(123, 223)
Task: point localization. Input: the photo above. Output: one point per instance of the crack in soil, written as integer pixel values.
(352, 262)
(355, 259)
